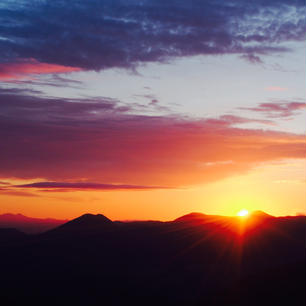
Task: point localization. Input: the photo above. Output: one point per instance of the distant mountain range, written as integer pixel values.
(27, 224)
(31, 225)
(196, 259)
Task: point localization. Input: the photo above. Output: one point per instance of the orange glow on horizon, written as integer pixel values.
(276, 189)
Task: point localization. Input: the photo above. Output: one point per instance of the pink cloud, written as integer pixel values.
(29, 67)
(233, 120)
(276, 88)
(278, 110)
(141, 151)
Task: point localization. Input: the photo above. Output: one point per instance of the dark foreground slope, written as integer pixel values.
(194, 260)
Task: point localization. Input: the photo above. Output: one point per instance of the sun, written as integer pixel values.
(243, 213)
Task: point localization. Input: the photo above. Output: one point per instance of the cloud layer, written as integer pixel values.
(103, 34)
(69, 186)
(102, 141)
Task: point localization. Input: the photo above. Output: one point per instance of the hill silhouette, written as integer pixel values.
(86, 222)
(196, 259)
(260, 214)
(191, 216)
(27, 224)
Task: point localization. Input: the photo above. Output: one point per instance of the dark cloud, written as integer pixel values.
(105, 34)
(29, 106)
(68, 186)
(75, 140)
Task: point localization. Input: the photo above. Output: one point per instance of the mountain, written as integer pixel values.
(27, 224)
(192, 217)
(260, 214)
(194, 260)
(85, 223)
(200, 218)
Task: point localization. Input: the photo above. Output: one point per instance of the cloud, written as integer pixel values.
(276, 88)
(102, 34)
(29, 106)
(254, 59)
(233, 120)
(69, 186)
(154, 103)
(54, 80)
(17, 193)
(5, 184)
(64, 140)
(23, 68)
(278, 110)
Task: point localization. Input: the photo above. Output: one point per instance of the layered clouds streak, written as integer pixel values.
(102, 141)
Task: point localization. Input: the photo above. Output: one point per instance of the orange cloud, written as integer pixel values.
(142, 152)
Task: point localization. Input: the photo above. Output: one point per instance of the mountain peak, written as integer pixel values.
(87, 222)
(91, 218)
(260, 214)
(191, 217)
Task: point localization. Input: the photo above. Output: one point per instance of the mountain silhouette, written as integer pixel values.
(196, 259)
(87, 223)
(27, 224)
(260, 214)
(191, 217)
(200, 218)
(87, 220)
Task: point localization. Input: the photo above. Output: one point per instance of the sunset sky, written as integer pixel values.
(152, 109)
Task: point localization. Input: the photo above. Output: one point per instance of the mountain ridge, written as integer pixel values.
(31, 225)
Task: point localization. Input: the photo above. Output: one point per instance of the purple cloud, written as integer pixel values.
(104, 34)
(64, 140)
(68, 186)
(233, 120)
(254, 59)
(278, 110)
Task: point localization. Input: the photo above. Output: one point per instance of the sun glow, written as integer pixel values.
(243, 213)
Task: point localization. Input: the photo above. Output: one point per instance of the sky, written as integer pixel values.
(152, 109)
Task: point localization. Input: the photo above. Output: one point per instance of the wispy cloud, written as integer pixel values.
(69, 186)
(5, 183)
(18, 193)
(278, 109)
